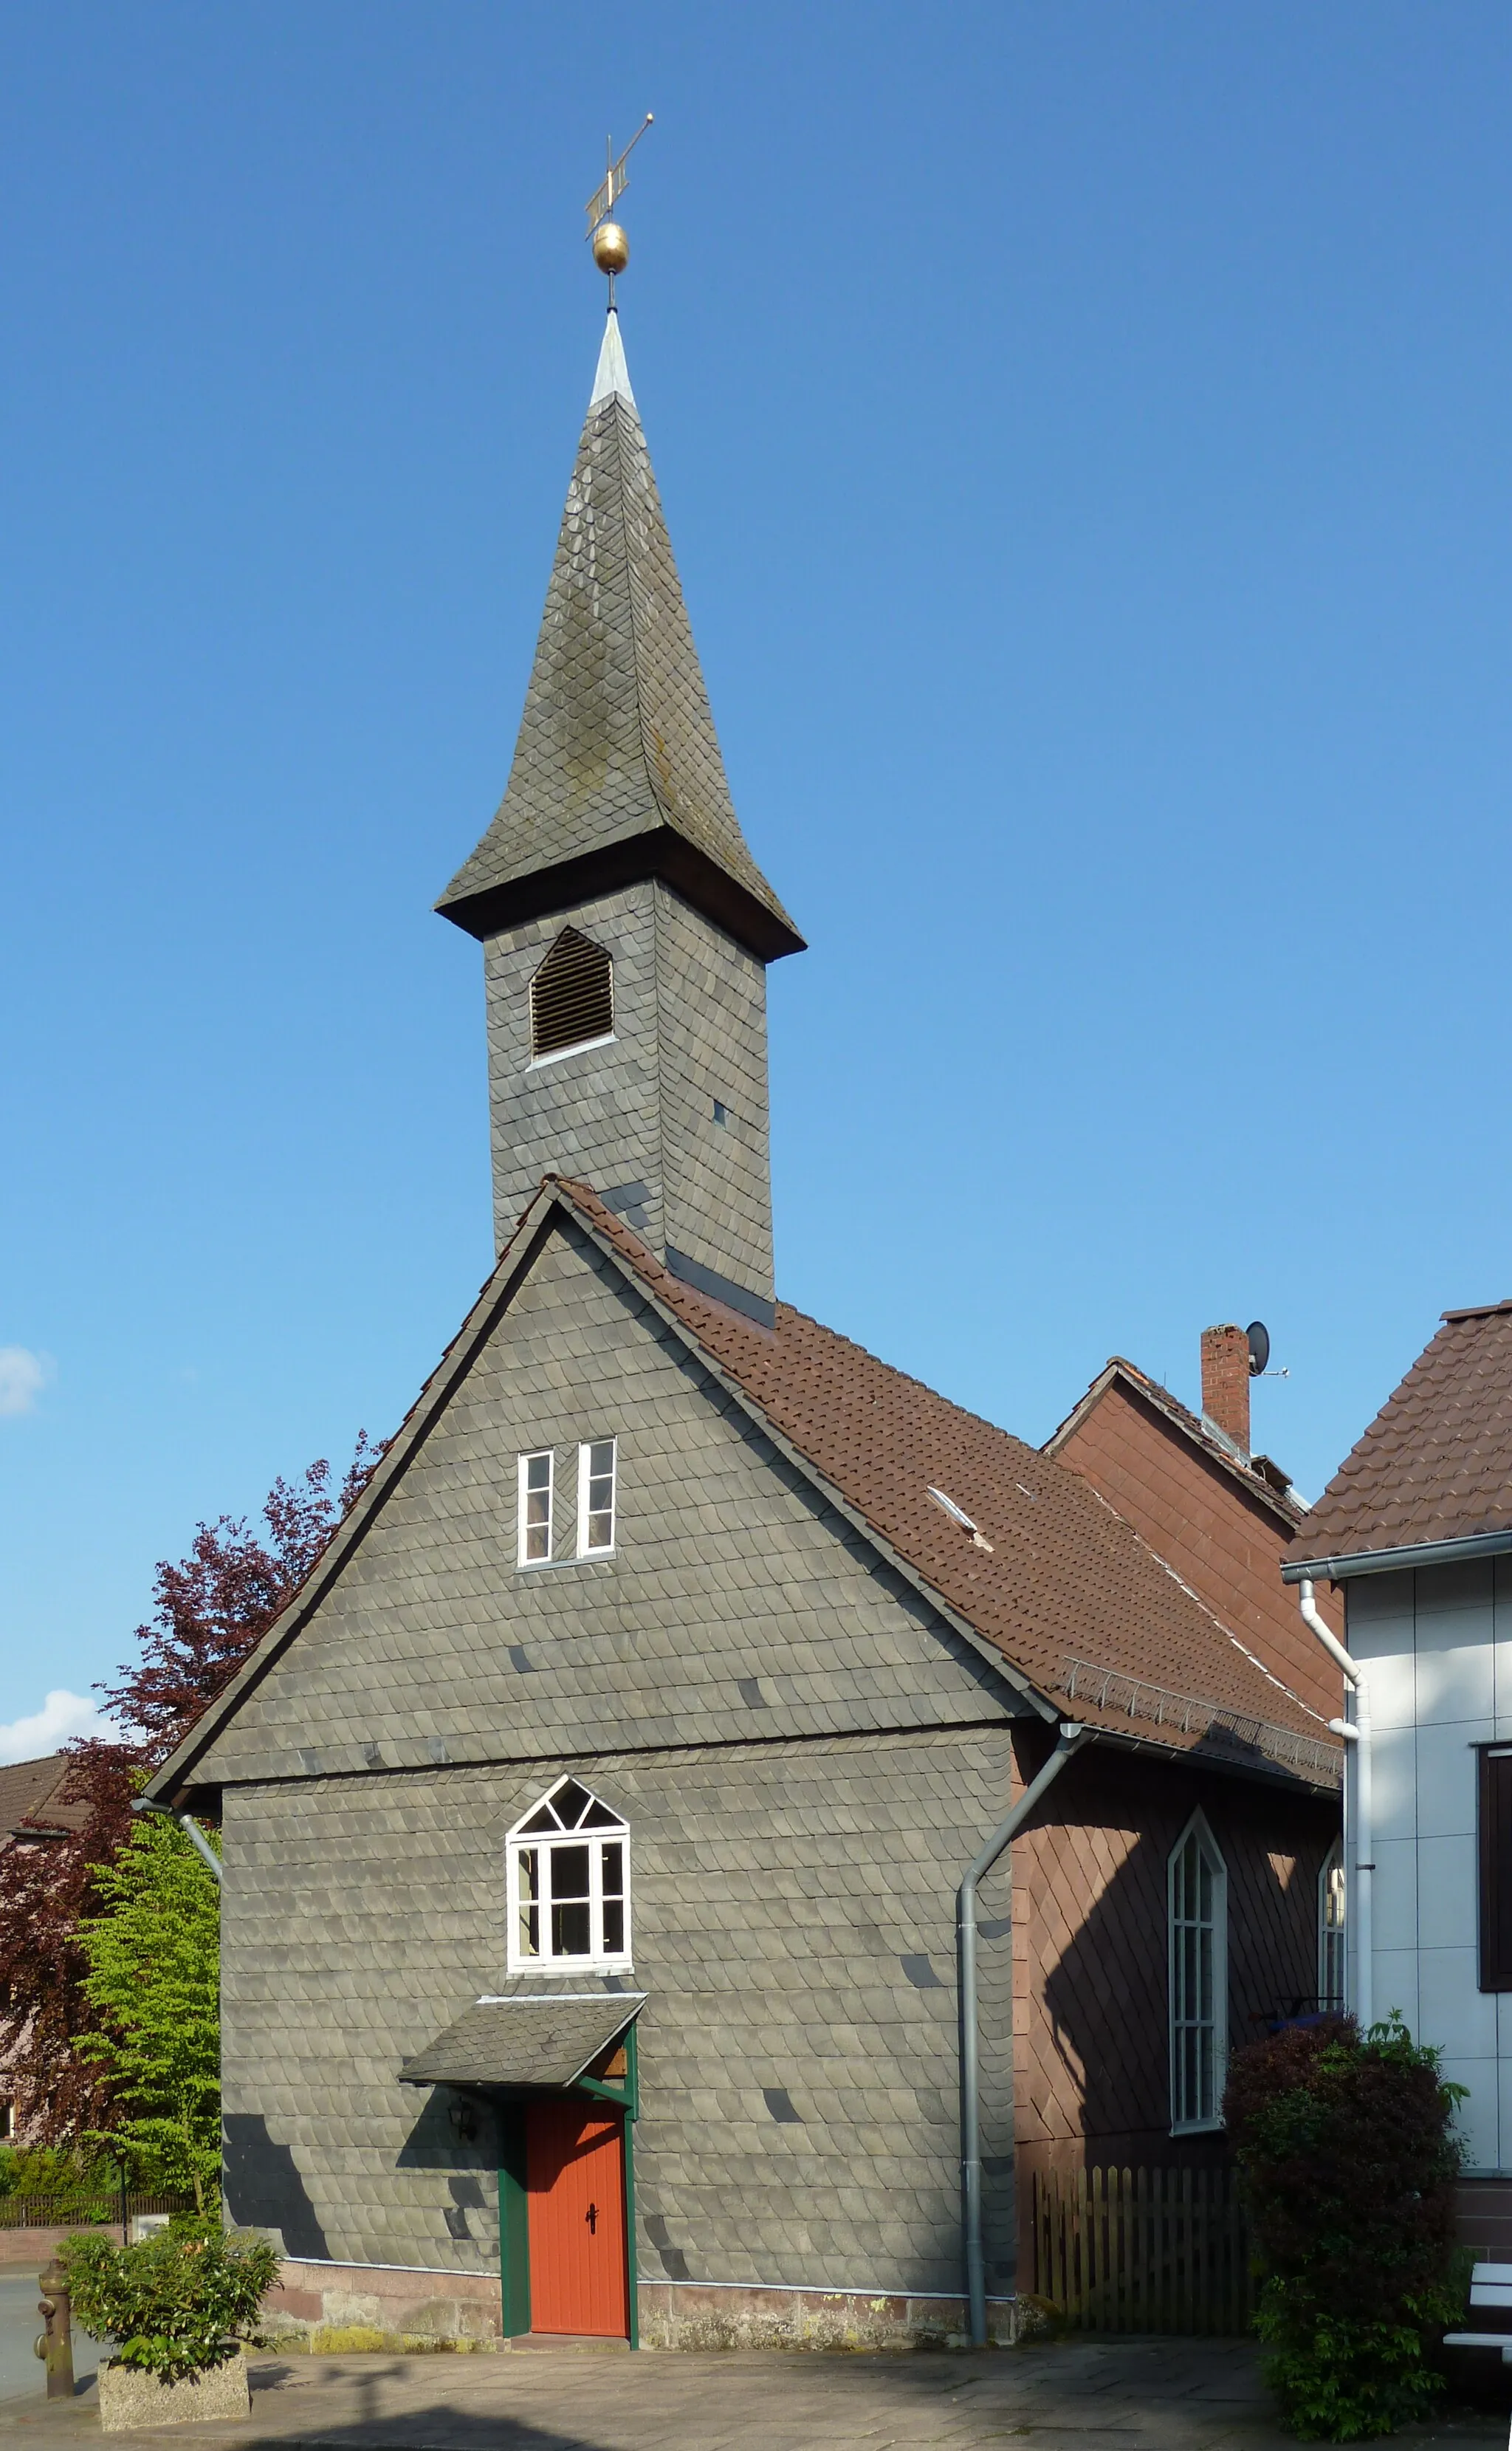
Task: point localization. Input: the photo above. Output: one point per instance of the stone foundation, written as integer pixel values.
(684, 2315)
(341, 2307)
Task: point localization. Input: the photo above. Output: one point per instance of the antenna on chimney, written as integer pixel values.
(1258, 1338)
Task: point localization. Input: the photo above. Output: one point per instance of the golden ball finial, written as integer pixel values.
(610, 248)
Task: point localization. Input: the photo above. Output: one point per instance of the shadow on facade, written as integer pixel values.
(263, 2188)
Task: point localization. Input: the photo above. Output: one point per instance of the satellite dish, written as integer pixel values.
(1259, 1336)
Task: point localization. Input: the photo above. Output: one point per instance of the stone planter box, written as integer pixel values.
(128, 2397)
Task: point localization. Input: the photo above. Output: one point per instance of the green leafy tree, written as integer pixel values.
(153, 1985)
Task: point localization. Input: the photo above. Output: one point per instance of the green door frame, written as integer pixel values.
(514, 2200)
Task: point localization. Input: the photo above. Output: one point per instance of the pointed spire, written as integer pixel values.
(614, 373)
(617, 772)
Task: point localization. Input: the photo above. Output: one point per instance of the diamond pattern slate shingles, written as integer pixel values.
(1436, 1462)
(617, 740)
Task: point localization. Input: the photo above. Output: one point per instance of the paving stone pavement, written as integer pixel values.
(1106, 2396)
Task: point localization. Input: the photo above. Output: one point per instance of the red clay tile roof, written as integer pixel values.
(29, 1793)
(1436, 1462)
(1067, 1591)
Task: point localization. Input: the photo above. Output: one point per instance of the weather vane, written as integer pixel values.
(610, 244)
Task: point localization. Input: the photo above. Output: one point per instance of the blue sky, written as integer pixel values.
(1083, 432)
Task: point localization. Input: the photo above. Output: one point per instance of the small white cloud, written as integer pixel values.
(23, 1376)
(61, 1715)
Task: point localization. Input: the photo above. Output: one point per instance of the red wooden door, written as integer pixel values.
(575, 2177)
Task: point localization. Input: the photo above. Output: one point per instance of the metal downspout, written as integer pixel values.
(1067, 1742)
(1360, 1824)
(191, 1829)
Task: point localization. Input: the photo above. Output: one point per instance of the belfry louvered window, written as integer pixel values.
(572, 996)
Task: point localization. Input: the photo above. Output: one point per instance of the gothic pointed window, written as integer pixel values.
(1198, 1906)
(569, 1885)
(1331, 1930)
(571, 997)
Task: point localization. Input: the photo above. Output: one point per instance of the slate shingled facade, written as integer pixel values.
(836, 1631)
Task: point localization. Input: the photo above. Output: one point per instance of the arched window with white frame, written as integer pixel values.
(1332, 1933)
(1198, 1902)
(569, 1885)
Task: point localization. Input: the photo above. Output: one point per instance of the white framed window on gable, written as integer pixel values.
(1197, 1917)
(537, 1490)
(569, 1885)
(1331, 1928)
(596, 1476)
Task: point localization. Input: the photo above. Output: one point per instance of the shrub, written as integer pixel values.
(1348, 2154)
(179, 2302)
(53, 2170)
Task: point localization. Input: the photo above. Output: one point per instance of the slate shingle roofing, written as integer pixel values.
(617, 771)
(1436, 1462)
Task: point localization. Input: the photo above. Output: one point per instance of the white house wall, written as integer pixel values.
(1438, 1647)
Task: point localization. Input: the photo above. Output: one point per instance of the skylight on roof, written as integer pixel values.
(958, 1515)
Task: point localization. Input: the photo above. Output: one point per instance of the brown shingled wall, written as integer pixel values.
(1195, 1517)
(1091, 2077)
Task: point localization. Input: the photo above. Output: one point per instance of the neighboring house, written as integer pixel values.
(1415, 1530)
(33, 1813)
(594, 1817)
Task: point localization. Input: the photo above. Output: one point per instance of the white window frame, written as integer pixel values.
(521, 1840)
(584, 1476)
(1334, 1930)
(1184, 2122)
(522, 1526)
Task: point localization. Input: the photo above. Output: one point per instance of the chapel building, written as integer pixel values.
(594, 1820)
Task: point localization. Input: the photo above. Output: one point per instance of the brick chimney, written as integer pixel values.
(1226, 1384)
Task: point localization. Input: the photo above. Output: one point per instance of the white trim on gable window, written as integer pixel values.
(1197, 1930)
(569, 1901)
(536, 1507)
(597, 1493)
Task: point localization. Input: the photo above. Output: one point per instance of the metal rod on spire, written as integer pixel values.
(610, 244)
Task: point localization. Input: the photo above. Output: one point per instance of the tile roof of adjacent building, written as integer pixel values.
(617, 771)
(1260, 1478)
(1435, 1465)
(32, 1797)
(1043, 1573)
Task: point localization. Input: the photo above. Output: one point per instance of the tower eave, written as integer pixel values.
(658, 851)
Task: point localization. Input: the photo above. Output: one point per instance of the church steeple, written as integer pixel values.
(617, 772)
(616, 857)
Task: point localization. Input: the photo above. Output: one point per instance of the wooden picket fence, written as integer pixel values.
(1142, 2250)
